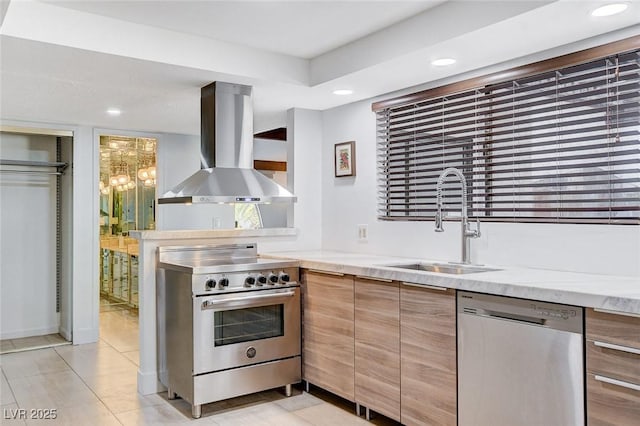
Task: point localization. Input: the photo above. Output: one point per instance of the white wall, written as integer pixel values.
(271, 150)
(178, 158)
(28, 241)
(304, 139)
(347, 202)
(85, 235)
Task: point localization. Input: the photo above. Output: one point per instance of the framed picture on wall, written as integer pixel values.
(345, 159)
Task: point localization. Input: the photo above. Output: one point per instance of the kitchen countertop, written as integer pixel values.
(614, 293)
(212, 233)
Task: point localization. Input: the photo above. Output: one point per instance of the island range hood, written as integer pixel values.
(226, 154)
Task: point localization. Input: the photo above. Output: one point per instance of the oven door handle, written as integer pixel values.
(212, 304)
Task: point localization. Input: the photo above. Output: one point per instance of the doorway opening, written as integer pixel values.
(36, 188)
(127, 202)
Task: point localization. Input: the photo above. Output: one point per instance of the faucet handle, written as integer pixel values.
(438, 220)
(477, 233)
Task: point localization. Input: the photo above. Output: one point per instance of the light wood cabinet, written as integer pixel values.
(328, 326)
(613, 368)
(428, 348)
(377, 346)
(387, 346)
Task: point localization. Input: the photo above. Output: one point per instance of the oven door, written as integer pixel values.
(237, 329)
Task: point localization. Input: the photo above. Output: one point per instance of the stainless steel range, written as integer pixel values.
(228, 322)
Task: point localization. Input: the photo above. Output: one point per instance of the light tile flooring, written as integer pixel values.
(95, 384)
(35, 342)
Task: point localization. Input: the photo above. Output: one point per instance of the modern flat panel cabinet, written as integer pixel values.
(388, 346)
(377, 345)
(613, 368)
(328, 326)
(428, 348)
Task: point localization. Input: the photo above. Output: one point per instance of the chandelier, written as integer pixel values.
(120, 174)
(147, 172)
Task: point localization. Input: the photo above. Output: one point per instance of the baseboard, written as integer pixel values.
(148, 383)
(85, 335)
(18, 334)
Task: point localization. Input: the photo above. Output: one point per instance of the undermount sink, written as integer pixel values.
(444, 268)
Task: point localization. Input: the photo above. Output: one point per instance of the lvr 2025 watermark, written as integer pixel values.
(30, 414)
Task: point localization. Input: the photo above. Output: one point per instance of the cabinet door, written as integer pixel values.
(328, 321)
(428, 347)
(377, 336)
(613, 369)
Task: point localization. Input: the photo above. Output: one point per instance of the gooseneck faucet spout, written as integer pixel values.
(466, 231)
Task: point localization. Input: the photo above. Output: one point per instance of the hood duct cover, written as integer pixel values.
(226, 147)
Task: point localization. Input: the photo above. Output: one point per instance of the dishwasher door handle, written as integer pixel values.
(524, 319)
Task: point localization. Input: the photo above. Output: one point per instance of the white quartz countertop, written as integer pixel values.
(614, 293)
(182, 234)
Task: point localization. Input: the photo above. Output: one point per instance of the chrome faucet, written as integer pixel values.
(466, 230)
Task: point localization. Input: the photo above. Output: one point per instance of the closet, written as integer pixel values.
(35, 236)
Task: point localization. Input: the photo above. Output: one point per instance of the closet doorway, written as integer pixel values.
(36, 196)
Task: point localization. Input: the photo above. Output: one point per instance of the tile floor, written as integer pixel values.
(96, 384)
(35, 342)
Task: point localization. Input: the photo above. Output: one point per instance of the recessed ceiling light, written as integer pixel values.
(609, 9)
(114, 112)
(443, 62)
(343, 92)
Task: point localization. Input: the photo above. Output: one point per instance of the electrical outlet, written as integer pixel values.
(216, 222)
(363, 233)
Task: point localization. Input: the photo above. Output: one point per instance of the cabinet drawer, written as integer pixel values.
(621, 330)
(610, 403)
(618, 362)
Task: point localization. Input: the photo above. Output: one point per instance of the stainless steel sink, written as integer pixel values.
(444, 268)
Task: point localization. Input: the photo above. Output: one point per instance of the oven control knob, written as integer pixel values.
(249, 281)
(261, 279)
(273, 278)
(210, 284)
(284, 277)
(223, 282)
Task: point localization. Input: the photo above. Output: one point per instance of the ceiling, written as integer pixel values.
(68, 61)
(299, 28)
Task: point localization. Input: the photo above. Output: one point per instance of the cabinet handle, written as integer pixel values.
(427, 286)
(384, 280)
(615, 382)
(626, 314)
(617, 347)
(337, 274)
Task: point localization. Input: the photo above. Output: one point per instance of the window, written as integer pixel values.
(558, 145)
(247, 216)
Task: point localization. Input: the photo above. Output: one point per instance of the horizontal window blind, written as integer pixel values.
(558, 146)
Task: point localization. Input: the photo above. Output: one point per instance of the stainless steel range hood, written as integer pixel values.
(226, 146)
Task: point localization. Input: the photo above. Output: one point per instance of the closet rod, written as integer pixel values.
(33, 163)
(31, 172)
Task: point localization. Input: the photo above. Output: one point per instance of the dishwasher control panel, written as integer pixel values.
(531, 312)
(561, 313)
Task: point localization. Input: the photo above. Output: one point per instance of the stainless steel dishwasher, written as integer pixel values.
(520, 362)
